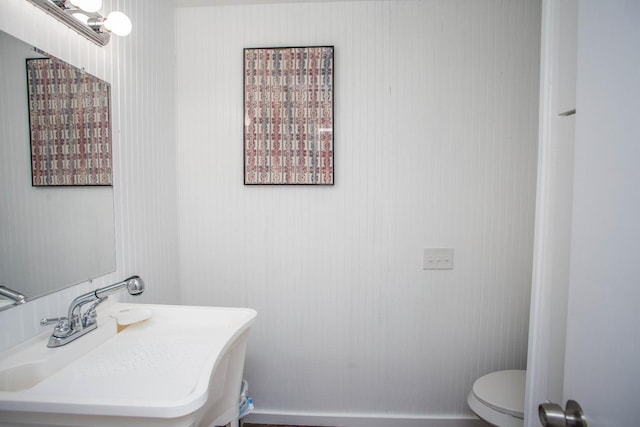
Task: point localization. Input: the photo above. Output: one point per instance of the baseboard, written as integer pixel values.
(359, 420)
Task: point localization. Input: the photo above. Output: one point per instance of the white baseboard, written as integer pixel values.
(359, 420)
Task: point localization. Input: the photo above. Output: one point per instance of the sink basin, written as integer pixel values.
(30, 363)
(180, 367)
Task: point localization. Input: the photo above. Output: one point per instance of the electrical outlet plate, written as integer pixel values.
(437, 259)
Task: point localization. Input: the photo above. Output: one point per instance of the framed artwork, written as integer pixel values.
(69, 122)
(288, 115)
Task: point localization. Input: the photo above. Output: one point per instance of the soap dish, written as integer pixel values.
(129, 316)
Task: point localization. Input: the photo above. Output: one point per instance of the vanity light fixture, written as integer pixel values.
(83, 17)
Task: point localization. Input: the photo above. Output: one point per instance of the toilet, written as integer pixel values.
(498, 398)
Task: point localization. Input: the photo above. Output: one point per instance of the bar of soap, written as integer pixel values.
(129, 316)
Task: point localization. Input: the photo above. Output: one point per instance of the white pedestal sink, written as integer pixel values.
(181, 367)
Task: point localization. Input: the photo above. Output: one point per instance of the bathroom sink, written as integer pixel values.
(181, 367)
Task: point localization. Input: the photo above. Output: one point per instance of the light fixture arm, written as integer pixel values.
(63, 10)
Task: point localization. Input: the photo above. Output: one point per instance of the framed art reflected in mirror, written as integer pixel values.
(69, 122)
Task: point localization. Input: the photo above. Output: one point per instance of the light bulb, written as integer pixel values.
(118, 23)
(88, 5)
(81, 17)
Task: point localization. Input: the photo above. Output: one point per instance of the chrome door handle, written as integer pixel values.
(552, 415)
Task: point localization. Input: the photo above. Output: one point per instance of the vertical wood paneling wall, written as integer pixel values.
(435, 146)
(140, 68)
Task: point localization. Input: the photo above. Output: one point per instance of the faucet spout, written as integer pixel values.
(134, 285)
(11, 294)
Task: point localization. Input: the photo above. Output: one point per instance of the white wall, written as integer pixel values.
(140, 69)
(436, 130)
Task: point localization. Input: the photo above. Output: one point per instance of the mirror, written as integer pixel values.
(50, 237)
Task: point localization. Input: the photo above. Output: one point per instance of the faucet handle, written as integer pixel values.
(63, 328)
(90, 315)
(63, 325)
(50, 320)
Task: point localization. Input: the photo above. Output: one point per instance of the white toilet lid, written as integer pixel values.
(502, 391)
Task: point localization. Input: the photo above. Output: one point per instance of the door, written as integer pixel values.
(601, 346)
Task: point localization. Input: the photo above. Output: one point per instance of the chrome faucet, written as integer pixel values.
(77, 324)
